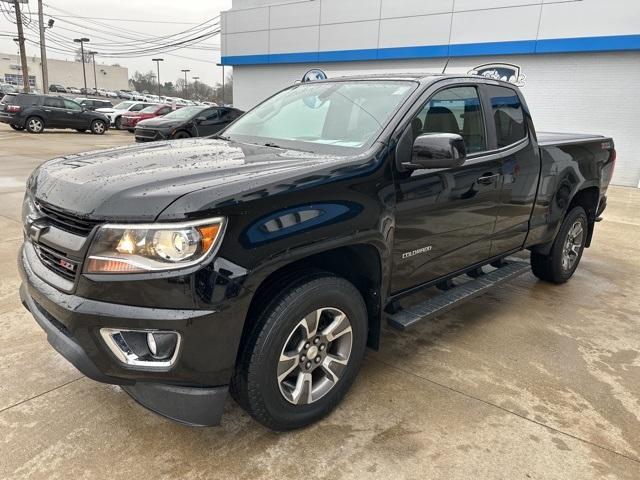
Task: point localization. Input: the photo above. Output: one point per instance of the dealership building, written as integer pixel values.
(577, 61)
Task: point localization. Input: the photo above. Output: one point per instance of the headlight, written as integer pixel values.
(153, 247)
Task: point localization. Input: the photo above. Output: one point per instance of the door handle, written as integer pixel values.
(487, 178)
(48, 111)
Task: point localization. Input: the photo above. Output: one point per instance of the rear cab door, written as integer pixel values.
(514, 143)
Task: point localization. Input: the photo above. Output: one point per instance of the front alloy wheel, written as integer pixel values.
(314, 356)
(304, 349)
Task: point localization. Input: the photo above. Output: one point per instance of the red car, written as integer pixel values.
(131, 119)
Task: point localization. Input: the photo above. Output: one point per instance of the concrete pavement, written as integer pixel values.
(530, 381)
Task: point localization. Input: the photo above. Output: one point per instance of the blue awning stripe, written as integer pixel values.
(519, 47)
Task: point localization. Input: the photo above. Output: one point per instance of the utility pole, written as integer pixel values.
(23, 52)
(95, 77)
(158, 60)
(186, 84)
(43, 50)
(82, 41)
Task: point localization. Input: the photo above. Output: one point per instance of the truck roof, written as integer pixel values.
(416, 76)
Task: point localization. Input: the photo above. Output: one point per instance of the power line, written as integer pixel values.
(129, 20)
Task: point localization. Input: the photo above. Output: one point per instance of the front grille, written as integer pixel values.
(66, 221)
(57, 262)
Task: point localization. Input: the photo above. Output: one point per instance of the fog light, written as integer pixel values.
(141, 348)
(161, 344)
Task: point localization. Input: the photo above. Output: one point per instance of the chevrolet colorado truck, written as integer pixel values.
(263, 261)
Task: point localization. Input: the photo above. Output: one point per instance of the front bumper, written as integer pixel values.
(149, 135)
(184, 392)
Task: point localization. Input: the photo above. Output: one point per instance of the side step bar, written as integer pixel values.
(450, 298)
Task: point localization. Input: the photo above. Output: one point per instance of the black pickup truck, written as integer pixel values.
(264, 261)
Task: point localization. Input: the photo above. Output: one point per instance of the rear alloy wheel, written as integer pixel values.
(98, 127)
(16, 127)
(34, 125)
(565, 254)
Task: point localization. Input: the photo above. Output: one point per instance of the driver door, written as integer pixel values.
(445, 217)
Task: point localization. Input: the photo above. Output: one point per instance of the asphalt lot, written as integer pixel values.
(530, 381)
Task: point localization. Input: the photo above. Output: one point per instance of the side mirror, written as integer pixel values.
(437, 150)
(201, 119)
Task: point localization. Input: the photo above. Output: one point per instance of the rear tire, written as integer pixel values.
(16, 127)
(34, 125)
(565, 254)
(303, 352)
(118, 123)
(98, 127)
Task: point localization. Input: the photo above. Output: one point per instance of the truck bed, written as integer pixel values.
(546, 139)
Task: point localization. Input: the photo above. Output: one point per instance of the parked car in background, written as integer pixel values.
(110, 94)
(186, 122)
(74, 90)
(88, 91)
(37, 112)
(7, 88)
(115, 114)
(131, 119)
(57, 88)
(138, 96)
(93, 103)
(124, 94)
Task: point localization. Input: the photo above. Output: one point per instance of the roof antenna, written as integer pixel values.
(446, 65)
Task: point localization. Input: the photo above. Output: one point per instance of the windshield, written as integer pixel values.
(184, 113)
(123, 105)
(348, 115)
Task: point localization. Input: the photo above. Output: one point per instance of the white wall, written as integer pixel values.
(576, 93)
(259, 27)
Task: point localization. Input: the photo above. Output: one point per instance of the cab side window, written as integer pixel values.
(454, 110)
(137, 107)
(508, 116)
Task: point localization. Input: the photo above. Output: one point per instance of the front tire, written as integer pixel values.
(34, 125)
(181, 134)
(98, 127)
(118, 123)
(565, 254)
(303, 352)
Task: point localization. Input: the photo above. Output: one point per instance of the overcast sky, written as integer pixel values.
(202, 63)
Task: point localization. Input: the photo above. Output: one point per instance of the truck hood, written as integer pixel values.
(136, 183)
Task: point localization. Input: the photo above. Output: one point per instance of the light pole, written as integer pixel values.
(158, 60)
(95, 77)
(195, 87)
(82, 41)
(186, 84)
